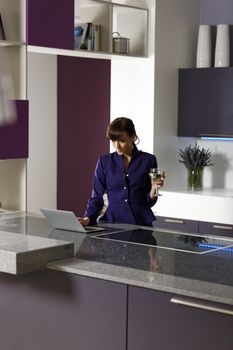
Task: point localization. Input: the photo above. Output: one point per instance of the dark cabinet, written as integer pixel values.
(14, 137)
(205, 104)
(53, 310)
(162, 321)
(182, 225)
(50, 23)
(215, 12)
(213, 228)
(193, 226)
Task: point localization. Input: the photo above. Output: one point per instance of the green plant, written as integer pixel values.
(195, 158)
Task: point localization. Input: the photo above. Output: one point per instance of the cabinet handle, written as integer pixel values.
(198, 305)
(223, 227)
(174, 221)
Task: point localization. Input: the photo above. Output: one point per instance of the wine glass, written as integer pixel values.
(157, 175)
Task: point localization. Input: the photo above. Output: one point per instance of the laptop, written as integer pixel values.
(67, 220)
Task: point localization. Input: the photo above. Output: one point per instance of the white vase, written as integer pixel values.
(203, 58)
(222, 48)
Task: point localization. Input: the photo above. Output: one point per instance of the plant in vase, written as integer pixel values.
(195, 160)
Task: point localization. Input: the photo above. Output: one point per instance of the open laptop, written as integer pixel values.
(67, 220)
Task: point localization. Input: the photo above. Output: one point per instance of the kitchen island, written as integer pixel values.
(118, 292)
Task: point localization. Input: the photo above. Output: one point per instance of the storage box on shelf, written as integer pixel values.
(86, 25)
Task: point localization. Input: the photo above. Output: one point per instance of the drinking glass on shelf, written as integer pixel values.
(157, 175)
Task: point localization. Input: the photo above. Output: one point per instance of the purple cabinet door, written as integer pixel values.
(50, 23)
(214, 228)
(14, 137)
(205, 102)
(217, 12)
(53, 310)
(155, 321)
(83, 116)
(177, 224)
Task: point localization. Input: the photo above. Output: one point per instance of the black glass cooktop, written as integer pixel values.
(171, 240)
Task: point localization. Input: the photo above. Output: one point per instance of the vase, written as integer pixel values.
(222, 48)
(203, 58)
(195, 179)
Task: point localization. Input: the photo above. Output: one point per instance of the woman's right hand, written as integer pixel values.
(85, 221)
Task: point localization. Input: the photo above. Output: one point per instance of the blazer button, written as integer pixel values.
(124, 188)
(126, 200)
(126, 174)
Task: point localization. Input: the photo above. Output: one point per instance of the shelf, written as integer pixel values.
(4, 43)
(78, 53)
(137, 31)
(115, 18)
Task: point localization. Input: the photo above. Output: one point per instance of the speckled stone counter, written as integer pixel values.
(204, 272)
(206, 275)
(21, 253)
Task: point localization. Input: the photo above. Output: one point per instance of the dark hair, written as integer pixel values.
(119, 125)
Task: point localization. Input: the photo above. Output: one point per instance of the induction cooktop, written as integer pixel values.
(171, 240)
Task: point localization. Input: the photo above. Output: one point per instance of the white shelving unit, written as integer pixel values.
(116, 18)
(13, 57)
(137, 31)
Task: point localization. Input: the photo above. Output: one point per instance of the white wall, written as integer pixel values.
(176, 32)
(132, 87)
(176, 28)
(42, 162)
(220, 175)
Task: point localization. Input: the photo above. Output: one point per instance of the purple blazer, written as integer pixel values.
(128, 193)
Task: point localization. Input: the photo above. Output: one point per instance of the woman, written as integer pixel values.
(124, 176)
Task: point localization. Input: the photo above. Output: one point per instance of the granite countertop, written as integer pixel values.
(202, 270)
(21, 253)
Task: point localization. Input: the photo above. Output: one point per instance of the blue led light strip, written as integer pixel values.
(214, 138)
(215, 246)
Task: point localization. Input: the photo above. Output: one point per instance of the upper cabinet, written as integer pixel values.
(215, 12)
(50, 23)
(88, 25)
(205, 105)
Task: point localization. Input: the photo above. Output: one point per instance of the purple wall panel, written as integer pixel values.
(216, 12)
(50, 23)
(14, 138)
(83, 115)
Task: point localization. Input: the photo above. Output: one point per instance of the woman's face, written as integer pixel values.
(124, 144)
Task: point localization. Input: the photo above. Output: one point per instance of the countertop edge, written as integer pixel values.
(129, 276)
